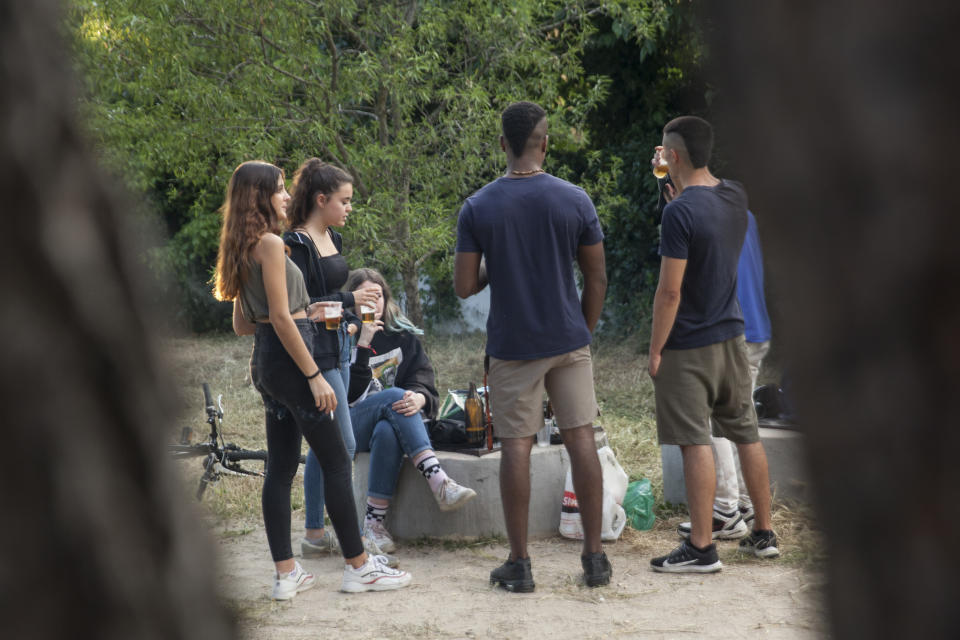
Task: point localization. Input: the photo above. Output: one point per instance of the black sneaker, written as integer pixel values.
(596, 569)
(762, 544)
(514, 575)
(726, 526)
(687, 559)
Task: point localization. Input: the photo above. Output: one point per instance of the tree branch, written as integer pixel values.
(358, 112)
(573, 16)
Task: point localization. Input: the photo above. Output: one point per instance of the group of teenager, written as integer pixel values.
(368, 385)
(280, 261)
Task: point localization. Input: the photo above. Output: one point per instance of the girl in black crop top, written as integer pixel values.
(321, 200)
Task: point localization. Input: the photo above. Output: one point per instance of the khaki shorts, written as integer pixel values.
(694, 385)
(517, 386)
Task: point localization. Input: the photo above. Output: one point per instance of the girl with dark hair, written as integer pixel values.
(391, 390)
(322, 195)
(271, 302)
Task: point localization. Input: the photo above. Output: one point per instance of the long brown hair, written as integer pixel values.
(314, 176)
(394, 320)
(247, 215)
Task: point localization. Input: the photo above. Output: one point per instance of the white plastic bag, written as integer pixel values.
(614, 489)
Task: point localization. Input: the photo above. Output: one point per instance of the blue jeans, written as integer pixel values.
(339, 379)
(387, 435)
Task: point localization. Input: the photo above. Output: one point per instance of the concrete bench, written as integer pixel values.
(414, 512)
(785, 457)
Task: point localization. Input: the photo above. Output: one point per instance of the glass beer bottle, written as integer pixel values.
(472, 409)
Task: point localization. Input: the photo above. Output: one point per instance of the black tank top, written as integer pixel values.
(334, 271)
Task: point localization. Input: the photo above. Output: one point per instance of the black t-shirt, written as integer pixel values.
(706, 226)
(395, 359)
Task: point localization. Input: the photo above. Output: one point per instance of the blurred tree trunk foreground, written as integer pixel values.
(842, 119)
(97, 539)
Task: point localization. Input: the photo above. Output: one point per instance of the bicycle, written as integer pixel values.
(219, 457)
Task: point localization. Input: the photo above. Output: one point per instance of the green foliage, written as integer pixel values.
(404, 94)
(657, 77)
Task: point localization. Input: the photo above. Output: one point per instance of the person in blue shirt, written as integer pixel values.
(522, 234)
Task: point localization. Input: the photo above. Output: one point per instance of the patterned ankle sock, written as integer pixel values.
(430, 468)
(375, 514)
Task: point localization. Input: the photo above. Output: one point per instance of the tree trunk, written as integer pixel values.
(842, 119)
(98, 539)
(411, 290)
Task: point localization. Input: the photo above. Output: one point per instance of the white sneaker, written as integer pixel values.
(287, 586)
(374, 575)
(378, 534)
(452, 496)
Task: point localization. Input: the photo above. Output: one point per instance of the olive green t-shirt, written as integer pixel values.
(253, 296)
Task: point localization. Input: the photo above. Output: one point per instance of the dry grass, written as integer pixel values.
(624, 391)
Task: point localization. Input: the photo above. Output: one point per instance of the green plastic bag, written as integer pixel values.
(638, 503)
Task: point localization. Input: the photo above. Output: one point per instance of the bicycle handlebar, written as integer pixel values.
(212, 413)
(208, 398)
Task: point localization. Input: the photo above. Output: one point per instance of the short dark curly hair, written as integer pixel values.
(518, 122)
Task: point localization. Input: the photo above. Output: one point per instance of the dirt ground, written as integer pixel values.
(450, 596)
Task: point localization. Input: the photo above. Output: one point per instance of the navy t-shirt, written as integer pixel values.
(706, 226)
(529, 230)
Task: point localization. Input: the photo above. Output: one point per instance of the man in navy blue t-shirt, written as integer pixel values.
(521, 234)
(698, 356)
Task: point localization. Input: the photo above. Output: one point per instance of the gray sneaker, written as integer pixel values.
(373, 549)
(323, 546)
(379, 536)
(452, 496)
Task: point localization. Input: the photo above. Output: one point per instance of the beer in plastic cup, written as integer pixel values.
(331, 316)
(367, 314)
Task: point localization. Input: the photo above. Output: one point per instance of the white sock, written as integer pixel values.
(430, 468)
(375, 514)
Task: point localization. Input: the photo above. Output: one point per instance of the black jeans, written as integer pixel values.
(291, 411)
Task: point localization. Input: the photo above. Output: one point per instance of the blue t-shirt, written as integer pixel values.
(529, 230)
(750, 286)
(705, 226)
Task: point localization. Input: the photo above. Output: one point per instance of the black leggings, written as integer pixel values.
(291, 411)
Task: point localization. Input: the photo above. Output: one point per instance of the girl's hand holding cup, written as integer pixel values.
(367, 331)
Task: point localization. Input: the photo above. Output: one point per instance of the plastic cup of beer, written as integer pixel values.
(367, 314)
(660, 171)
(543, 436)
(331, 315)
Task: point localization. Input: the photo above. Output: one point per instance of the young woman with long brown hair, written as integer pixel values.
(271, 302)
(321, 200)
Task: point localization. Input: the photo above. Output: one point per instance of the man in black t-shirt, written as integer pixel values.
(698, 357)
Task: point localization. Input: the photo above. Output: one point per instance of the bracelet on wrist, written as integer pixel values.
(314, 375)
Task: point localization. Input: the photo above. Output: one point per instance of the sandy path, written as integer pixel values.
(450, 596)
